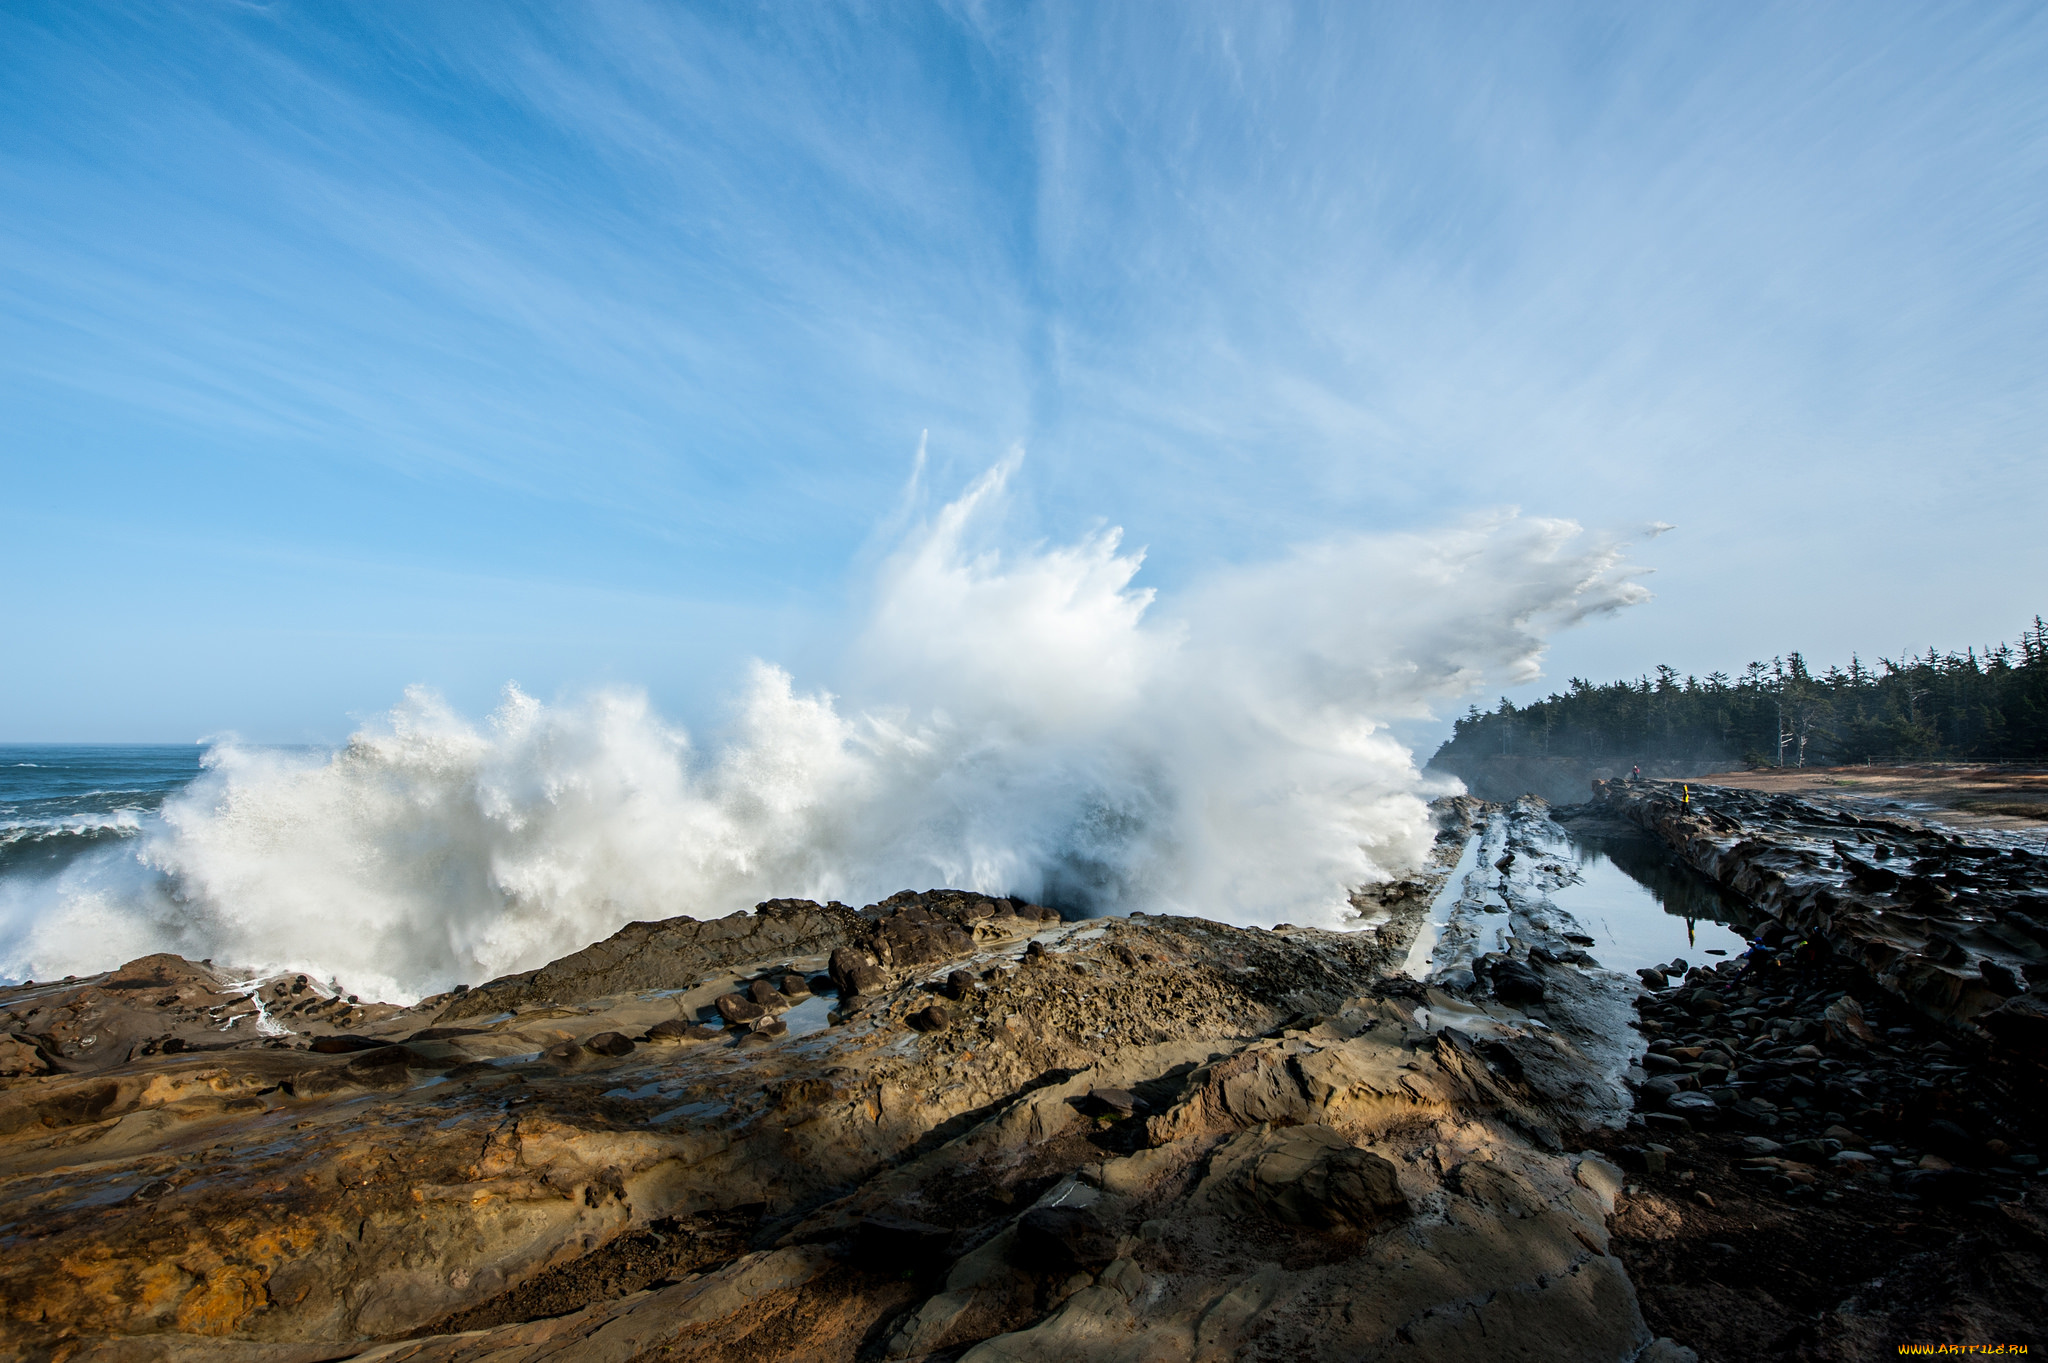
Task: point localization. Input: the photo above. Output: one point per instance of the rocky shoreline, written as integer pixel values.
(1839, 1138)
(950, 1126)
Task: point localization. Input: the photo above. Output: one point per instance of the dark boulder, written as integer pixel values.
(736, 1009)
(680, 1029)
(1312, 1176)
(914, 937)
(338, 1045)
(1514, 982)
(1697, 1107)
(854, 973)
(613, 1044)
(1062, 1239)
(930, 1019)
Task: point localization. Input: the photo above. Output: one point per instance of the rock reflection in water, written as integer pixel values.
(1642, 907)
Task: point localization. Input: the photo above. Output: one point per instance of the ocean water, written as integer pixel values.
(58, 802)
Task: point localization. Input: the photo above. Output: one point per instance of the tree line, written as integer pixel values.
(1988, 705)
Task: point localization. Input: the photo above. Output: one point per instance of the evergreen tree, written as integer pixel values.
(1988, 705)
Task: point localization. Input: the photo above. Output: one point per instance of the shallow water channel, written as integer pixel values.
(1642, 908)
(1631, 897)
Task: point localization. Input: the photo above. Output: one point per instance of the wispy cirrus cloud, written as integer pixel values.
(657, 295)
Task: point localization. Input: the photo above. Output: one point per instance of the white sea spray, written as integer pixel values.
(1026, 722)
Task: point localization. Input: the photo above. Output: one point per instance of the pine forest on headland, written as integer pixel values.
(1974, 706)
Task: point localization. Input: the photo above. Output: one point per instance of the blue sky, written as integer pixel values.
(344, 347)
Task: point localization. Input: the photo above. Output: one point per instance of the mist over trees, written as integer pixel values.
(1988, 705)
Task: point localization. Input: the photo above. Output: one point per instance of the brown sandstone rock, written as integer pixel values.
(439, 1180)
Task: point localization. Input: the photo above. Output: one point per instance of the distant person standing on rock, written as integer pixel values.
(1635, 774)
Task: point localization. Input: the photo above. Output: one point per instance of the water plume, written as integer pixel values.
(1029, 721)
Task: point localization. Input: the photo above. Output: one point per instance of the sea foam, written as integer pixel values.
(1030, 722)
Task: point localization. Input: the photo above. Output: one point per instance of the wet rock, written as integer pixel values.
(1999, 978)
(681, 1029)
(854, 973)
(765, 995)
(930, 1019)
(1846, 1025)
(737, 1009)
(1694, 1107)
(793, 986)
(1653, 978)
(916, 937)
(1934, 920)
(1943, 1185)
(1514, 982)
(1947, 1138)
(769, 1027)
(566, 1053)
(613, 1044)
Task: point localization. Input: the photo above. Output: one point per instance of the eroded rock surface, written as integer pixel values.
(1145, 1139)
